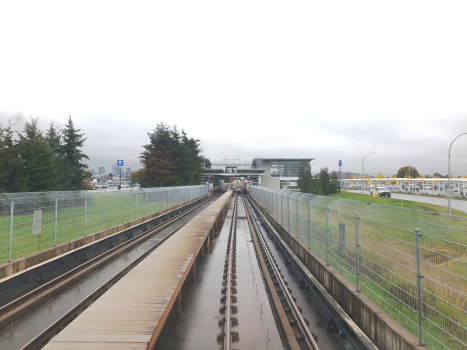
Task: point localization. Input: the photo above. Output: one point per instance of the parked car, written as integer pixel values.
(381, 191)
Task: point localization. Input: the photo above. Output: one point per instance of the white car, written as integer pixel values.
(382, 191)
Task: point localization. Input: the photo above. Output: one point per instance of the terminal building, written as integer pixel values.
(276, 173)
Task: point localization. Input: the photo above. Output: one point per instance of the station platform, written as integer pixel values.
(132, 313)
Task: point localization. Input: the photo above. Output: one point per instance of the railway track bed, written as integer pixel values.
(36, 316)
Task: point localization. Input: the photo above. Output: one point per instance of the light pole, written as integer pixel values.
(362, 167)
(449, 172)
(409, 164)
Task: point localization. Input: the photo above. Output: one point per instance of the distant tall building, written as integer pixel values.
(128, 172)
(101, 170)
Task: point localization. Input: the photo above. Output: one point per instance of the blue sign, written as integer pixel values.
(340, 163)
(119, 162)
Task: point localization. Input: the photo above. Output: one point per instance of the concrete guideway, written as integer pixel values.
(203, 302)
(457, 204)
(259, 307)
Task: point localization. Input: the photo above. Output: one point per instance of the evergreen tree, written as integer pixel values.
(54, 138)
(197, 160)
(38, 158)
(304, 177)
(13, 175)
(180, 156)
(159, 159)
(73, 172)
(314, 188)
(335, 185)
(324, 182)
(170, 159)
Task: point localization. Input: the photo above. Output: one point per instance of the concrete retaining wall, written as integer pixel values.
(23, 263)
(385, 332)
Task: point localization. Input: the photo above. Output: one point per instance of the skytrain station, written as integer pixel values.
(275, 173)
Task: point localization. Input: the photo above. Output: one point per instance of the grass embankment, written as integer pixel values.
(397, 203)
(71, 221)
(443, 257)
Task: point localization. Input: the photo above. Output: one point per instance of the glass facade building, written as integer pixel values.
(285, 168)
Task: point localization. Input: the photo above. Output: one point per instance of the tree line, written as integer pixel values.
(171, 158)
(322, 184)
(34, 161)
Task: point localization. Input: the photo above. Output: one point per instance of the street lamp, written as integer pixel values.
(362, 167)
(449, 171)
(409, 164)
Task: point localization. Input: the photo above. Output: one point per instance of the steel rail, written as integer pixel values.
(51, 331)
(228, 304)
(301, 322)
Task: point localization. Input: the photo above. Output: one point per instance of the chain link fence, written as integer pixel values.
(31, 222)
(412, 264)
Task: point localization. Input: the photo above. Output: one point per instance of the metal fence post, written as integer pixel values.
(123, 208)
(419, 287)
(357, 251)
(308, 229)
(155, 200)
(136, 205)
(288, 213)
(106, 212)
(327, 236)
(282, 215)
(146, 210)
(85, 214)
(56, 212)
(296, 213)
(12, 210)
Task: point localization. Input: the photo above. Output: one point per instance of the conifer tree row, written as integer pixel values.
(322, 184)
(171, 158)
(32, 162)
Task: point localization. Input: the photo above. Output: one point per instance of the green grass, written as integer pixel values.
(396, 203)
(71, 221)
(387, 257)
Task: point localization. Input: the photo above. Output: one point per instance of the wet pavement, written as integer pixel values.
(24, 330)
(198, 326)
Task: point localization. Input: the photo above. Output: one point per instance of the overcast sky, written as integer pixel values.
(329, 80)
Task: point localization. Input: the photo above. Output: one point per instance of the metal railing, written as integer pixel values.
(31, 222)
(412, 264)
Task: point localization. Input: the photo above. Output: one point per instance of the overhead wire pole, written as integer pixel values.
(362, 167)
(449, 172)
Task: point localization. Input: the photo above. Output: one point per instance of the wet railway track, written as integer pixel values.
(288, 313)
(258, 309)
(229, 285)
(26, 303)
